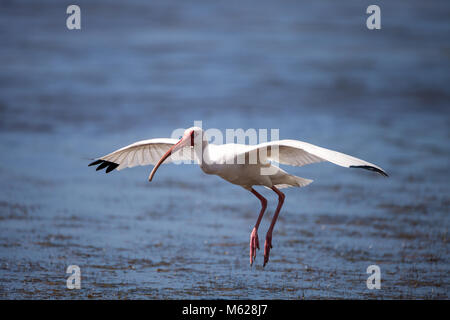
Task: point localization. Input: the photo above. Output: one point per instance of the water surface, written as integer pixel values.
(140, 70)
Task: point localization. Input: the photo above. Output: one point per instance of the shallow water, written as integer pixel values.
(140, 70)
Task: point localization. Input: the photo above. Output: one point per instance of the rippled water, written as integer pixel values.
(139, 70)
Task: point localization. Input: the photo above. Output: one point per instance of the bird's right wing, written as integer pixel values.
(142, 153)
(299, 153)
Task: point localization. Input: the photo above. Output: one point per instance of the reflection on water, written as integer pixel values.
(140, 70)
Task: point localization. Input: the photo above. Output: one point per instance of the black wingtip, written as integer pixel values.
(103, 165)
(372, 169)
(110, 166)
(96, 162)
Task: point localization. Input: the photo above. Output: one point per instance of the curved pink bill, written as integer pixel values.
(180, 144)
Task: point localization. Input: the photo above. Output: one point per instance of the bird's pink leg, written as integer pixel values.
(268, 243)
(254, 242)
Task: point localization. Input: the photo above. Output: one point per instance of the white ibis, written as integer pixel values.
(234, 163)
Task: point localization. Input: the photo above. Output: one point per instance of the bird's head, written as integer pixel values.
(195, 134)
(190, 137)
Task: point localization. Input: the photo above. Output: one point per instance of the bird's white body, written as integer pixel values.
(243, 165)
(223, 161)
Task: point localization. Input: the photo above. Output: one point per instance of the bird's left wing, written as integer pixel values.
(299, 153)
(142, 153)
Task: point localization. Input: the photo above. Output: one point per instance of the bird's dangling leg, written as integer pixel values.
(254, 242)
(268, 243)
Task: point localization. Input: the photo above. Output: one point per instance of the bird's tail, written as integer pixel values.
(294, 181)
(302, 182)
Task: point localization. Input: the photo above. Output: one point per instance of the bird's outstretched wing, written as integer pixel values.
(299, 153)
(142, 153)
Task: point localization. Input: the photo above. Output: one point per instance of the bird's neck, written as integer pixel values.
(202, 153)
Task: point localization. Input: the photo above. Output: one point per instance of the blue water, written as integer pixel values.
(139, 70)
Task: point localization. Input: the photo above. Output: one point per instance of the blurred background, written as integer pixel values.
(140, 69)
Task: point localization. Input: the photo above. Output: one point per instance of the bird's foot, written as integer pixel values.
(267, 247)
(254, 244)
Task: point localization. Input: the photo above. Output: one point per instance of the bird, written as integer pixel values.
(240, 164)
